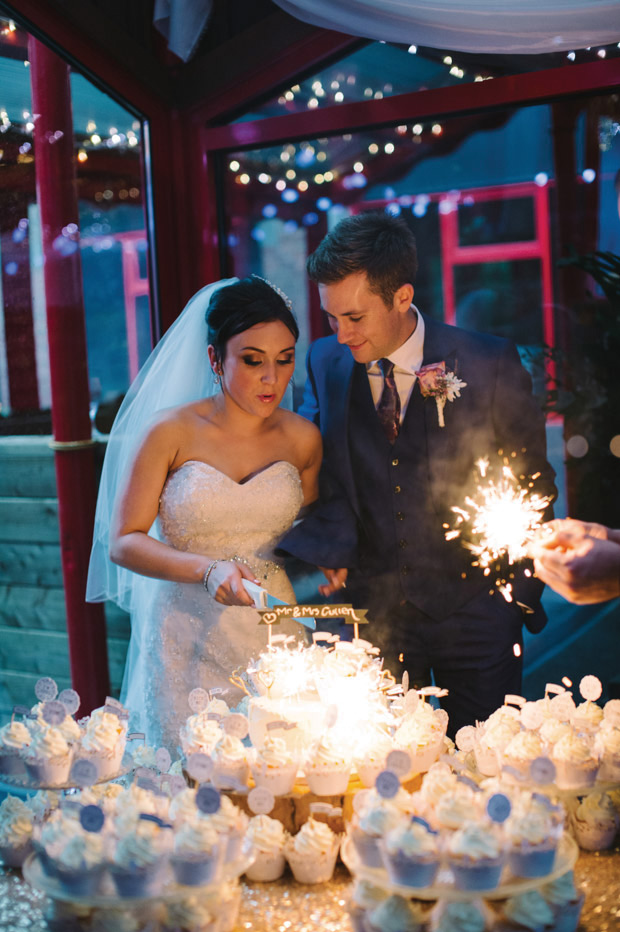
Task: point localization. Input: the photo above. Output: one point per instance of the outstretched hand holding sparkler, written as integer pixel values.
(579, 560)
(499, 522)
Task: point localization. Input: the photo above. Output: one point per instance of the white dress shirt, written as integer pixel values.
(407, 358)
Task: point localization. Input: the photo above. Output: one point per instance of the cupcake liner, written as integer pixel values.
(483, 874)
(80, 882)
(594, 837)
(137, 881)
(422, 759)
(193, 871)
(609, 771)
(269, 865)
(238, 772)
(327, 783)
(11, 764)
(367, 847)
(566, 916)
(411, 871)
(312, 870)
(15, 855)
(486, 761)
(368, 771)
(569, 776)
(532, 861)
(53, 771)
(108, 763)
(279, 780)
(233, 846)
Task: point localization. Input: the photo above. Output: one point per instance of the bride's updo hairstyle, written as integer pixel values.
(244, 304)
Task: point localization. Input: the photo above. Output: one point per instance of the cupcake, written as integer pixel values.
(183, 807)
(397, 914)
(466, 916)
(312, 852)
(79, 863)
(139, 859)
(595, 822)
(587, 717)
(607, 746)
(521, 750)
(268, 838)
(365, 897)
(369, 826)
(476, 857)
(371, 761)
(230, 762)
(566, 902)
(16, 831)
(48, 757)
(190, 915)
(199, 735)
(454, 809)
(575, 762)
(103, 744)
(422, 736)
(197, 853)
(132, 803)
(526, 912)
(552, 730)
(14, 738)
(411, 854)
(231, 824)
(274, 766)
(327, 770)
(533, 843)
(437, 781)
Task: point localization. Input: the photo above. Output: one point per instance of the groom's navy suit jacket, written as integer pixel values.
(383, 509)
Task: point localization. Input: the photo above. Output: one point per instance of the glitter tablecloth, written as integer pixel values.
(285, 905)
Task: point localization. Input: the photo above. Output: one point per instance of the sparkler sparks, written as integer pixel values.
(499, 521)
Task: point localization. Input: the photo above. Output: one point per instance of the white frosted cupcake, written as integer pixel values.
(230, 762)
(397, 914)
(575, 762)
(312, 852)
(521, 750)
(48, 757)
(371, 762)
(476, 857)
(80, 863)
(231, 825)
(460, 916)
(197, 854)
(327, 769)
(274, 766)
(103, 744)
(269, 838)
(607, 746)
(526, 912)
(588, 716)
(439, 780)
(139, 859)
(411, 854)
(369, 826)
(421, 733)
(552, 730)
(16, 831)
(132, 802)
(595, 822)
(200, 734)
(566, 902)
(14, 739)
(533, 841)
(183, 807)
(454, 809)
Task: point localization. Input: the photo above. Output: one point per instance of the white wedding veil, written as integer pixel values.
(177, 372)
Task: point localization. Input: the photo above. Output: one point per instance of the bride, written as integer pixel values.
(203, 475)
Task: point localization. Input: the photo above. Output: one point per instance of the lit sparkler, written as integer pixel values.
(499, 521)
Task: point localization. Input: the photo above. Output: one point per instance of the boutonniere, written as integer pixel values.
(441, 384)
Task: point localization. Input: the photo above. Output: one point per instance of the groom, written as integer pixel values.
(391, 472)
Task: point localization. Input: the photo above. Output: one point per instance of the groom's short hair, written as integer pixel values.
(378, 244)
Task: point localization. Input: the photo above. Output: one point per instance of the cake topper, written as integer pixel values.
(208, 799)
(591, 688)
(261, 800)
(199, 767)
(83, 772)
(163, 759)
(465, 738)
(532, 716)
(387, 784)
(45, 689)
(236, 725)
(92, 818)
(198, 699)
(54, 712)
(542, 770)
(70, 699)
(498, 807)
(399, 762)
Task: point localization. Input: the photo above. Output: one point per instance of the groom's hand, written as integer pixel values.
(225, 582)
(336, 579)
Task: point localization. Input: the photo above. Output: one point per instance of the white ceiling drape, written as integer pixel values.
(182, 22)
(502, 26)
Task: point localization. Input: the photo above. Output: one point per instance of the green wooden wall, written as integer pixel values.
(33, 638)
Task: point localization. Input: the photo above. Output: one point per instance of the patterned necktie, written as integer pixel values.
(388, 408)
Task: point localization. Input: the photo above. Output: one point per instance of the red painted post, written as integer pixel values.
(74, 450)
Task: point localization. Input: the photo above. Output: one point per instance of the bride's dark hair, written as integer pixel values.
(242, 305)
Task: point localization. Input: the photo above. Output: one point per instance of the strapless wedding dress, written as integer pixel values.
(188, 639)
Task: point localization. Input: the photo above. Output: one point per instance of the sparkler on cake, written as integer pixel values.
(499, 521)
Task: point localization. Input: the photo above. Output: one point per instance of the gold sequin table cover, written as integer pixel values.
(286, 905)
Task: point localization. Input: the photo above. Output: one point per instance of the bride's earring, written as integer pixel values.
(216, 377)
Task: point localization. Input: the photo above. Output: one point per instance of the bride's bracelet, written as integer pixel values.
(210, 568)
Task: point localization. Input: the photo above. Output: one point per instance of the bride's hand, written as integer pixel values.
(225, 583)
